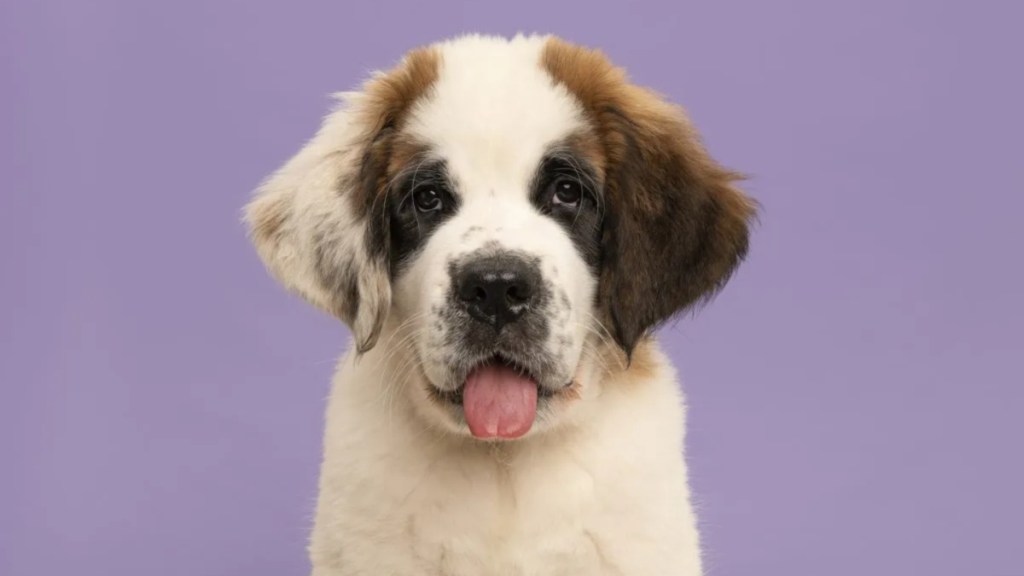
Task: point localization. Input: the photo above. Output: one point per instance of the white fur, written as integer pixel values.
(599, 486)
(491, 116)
(605, 495)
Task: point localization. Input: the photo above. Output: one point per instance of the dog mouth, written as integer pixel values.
(456, 396)
(498, 397)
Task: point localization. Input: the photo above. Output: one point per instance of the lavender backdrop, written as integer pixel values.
(857, 397)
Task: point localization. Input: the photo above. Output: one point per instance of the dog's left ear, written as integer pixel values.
(675, 227)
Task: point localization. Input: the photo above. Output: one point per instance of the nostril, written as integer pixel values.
(479, 294)
(473, 293)
(473, 289)
(517, 294)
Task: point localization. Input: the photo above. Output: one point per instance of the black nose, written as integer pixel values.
(497, 290)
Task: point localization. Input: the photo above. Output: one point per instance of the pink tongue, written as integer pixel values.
(499, 402)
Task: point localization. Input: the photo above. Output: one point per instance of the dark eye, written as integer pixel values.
(567, 193)
(427, 199)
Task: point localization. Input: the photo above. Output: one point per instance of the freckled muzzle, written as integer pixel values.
(499, 303)
(498, 318)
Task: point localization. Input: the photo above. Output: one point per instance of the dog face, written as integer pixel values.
(501, 212)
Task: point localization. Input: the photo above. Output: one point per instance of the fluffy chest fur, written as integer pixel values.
(608, 497)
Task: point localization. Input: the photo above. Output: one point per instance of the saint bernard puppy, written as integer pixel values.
(501, 224)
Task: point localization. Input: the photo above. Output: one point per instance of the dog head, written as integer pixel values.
(500, 210)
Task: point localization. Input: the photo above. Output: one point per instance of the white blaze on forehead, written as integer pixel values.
(491, 115)
(493, 112)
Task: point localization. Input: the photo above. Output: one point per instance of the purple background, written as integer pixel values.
(857, 397)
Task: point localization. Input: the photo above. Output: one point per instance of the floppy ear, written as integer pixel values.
(320, 222)
(310, 224)
(676, 226)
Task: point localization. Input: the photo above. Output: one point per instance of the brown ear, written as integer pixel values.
(676, 225)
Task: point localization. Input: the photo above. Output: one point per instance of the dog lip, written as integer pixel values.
(504, 360)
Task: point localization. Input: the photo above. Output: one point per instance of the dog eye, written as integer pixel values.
(567, 193)
(427, 199)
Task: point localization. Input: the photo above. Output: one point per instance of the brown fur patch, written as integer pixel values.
(572, 392)
(388, 98)
(381, 151)
(588, 145)
(612, 364)
(676, 226)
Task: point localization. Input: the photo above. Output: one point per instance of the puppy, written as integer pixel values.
(502, 224)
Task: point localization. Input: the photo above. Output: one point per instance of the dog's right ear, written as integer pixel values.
(310, 226)
(320, 223)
